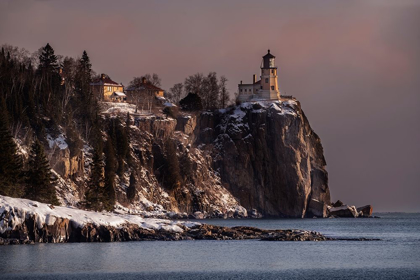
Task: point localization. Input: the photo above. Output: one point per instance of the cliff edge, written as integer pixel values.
(268, 157)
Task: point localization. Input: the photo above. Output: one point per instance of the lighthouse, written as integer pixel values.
(269, 84)
(267, 87)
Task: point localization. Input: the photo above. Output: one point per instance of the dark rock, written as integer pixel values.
(294, 235)
(270, 161)
(338, 203)
(344, 211)
(366, 210)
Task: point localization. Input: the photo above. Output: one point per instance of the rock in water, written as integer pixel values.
(344, 211)
(365, 210)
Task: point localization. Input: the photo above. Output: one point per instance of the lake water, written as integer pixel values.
(396, 256)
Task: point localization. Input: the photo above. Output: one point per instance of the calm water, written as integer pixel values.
(396, 256)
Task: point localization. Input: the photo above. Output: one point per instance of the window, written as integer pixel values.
(261, 87)
(272, 71)
(240, 90)
(266, 80)
(271, 62)
(272, 87)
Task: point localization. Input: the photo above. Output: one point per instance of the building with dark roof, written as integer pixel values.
(143, 91)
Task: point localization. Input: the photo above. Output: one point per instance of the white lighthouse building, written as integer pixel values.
(267, 87)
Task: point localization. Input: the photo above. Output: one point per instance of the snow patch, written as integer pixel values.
(45, 214)
(59, 142)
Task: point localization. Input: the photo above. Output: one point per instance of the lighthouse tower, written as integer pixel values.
(269, 85)
(265, 89)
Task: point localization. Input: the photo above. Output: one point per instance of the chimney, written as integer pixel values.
(143, 80)
(102, 76)
(241, 82)
(254, 79)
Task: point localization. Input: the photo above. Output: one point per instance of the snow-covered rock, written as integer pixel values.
(16, 213)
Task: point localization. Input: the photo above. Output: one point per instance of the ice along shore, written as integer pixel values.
(25, 221)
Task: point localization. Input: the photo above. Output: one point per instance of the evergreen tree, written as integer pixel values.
(50, 93)
(85, 103)
(192, 102)
(110, 167)
(48, 60)
(10, 162)
(93, 195)
(131, 190)
(39, 181)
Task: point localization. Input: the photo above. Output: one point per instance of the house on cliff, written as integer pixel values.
(264, 89)
(106, 89)
(143, 92)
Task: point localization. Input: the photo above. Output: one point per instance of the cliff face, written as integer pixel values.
(255, 159)
(268, 157)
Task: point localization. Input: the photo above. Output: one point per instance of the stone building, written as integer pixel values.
(264, 89)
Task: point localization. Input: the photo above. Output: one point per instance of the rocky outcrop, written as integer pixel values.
(341, 210)
(130, 232)
(62, 160)
(253, 160)
(160, 127)
(268, 157)
(344, 211)
(24, 221)
(365, 211)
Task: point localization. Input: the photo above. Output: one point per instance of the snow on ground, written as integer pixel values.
(60, 142)
(46, 214)
(115, 108)
(169, 104)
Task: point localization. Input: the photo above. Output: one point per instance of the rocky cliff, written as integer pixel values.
(256, 159)
(268, 157)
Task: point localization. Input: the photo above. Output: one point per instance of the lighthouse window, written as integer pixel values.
(272, 71)
(272, 87)
(266, 80)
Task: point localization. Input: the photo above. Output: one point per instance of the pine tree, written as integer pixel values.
(93, 195)
(49, 84)
(10, 161)
(110, 167)
(85, 102)
(39, 181)
(48, 60)
(192, 102)
(131, 190)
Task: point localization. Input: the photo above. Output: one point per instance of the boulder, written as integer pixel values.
(344, 211)
(338, 203)
(366, 210)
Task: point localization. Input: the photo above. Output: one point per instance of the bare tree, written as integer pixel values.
(176, 92)
(210, 91)
(194, 83)
(153, 79)
(224, 94)
(68, 76)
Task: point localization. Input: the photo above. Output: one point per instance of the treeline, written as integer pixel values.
(212, 91)
(41, 93)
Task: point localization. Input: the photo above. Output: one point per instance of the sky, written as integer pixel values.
(353, 65)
